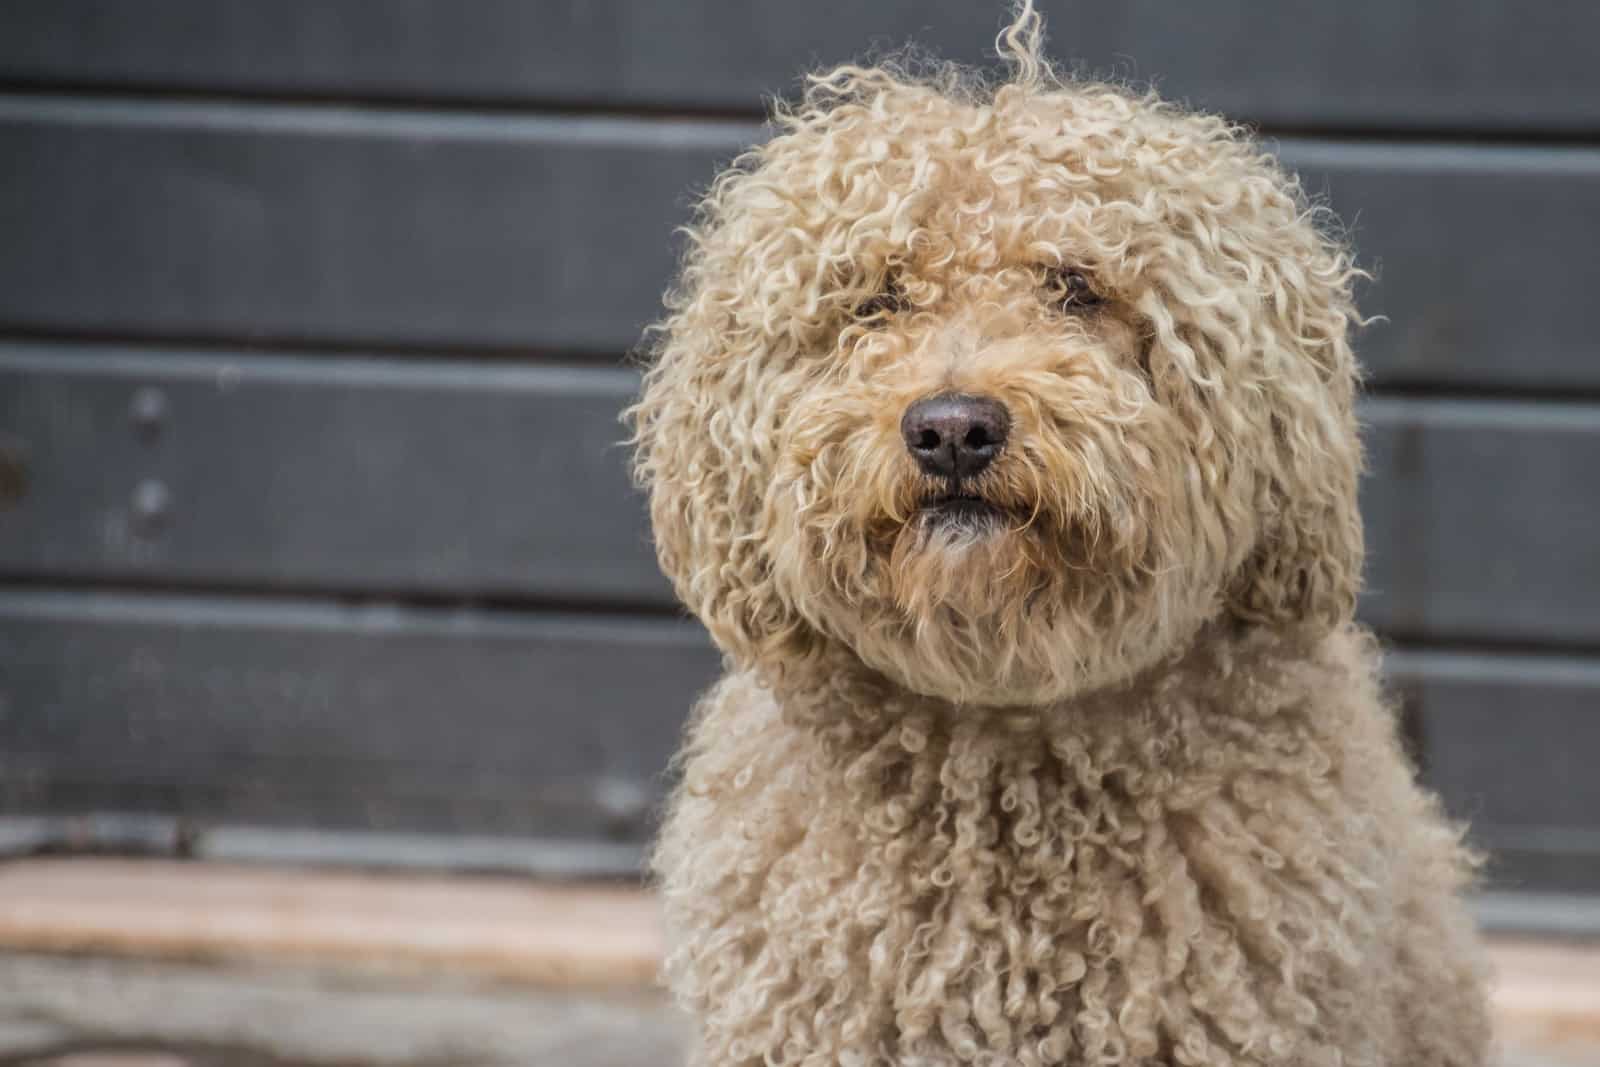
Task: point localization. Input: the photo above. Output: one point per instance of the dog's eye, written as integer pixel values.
(887, 301)
(1072, 290)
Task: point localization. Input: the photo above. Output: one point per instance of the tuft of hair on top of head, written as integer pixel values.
(1021, 46)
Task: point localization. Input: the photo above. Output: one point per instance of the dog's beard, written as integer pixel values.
(963, 559)
(986, 604)
(992, 595)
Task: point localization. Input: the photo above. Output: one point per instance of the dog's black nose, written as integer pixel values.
(953, 435)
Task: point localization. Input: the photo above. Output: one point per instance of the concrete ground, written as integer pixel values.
(95, 1012)
(91, 1012)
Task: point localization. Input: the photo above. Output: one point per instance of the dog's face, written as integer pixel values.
(1008, 395)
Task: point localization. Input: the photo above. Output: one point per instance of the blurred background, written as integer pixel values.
(317, 547)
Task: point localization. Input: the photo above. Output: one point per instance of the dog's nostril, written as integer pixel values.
(954, 435)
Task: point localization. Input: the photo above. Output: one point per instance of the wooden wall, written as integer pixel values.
(312, 512)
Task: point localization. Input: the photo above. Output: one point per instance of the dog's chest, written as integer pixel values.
(943, 896)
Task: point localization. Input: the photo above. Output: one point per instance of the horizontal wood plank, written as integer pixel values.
(463, 481)
(1478, 271)
(1483, 521)
(565, 936)
(282, 715)
(1299, 63)
(320, 224)
(1507, 743)
(323, 224)
(341, 474)
(295, 714)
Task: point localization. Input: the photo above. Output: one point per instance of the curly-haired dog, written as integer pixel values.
(1002, 438)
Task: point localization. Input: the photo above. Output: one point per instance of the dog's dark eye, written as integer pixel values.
(1072, 290)
(887, 301)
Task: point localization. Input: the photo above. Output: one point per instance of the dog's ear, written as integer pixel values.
(1286, 423)
(1305, 445)
(1306, 564)
(703, 434)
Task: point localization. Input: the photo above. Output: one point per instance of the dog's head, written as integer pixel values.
(1009, 390)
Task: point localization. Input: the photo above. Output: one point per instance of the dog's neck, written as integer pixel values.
(848, 708)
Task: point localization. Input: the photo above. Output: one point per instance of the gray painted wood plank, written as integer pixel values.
(294, 713)
(376, 477)
(1483, 520)
(1509, 744)
(341, 474)
(324, 224)
(1481, 265)
(318, 224)
(1469, 63)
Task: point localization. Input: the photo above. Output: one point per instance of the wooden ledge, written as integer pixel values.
(573, 936)
(488, 927)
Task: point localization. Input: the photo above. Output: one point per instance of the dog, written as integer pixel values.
(1002, 437)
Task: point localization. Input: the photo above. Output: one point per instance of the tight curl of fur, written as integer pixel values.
(1103, 775)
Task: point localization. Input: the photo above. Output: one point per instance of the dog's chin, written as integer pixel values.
(992, 602)
(963, 558)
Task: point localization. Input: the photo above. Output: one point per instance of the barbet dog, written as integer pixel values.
(1002, 437)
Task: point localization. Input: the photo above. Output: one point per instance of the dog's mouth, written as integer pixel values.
(961, 509)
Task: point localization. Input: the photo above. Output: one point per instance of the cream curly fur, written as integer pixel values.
(1110, 781)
